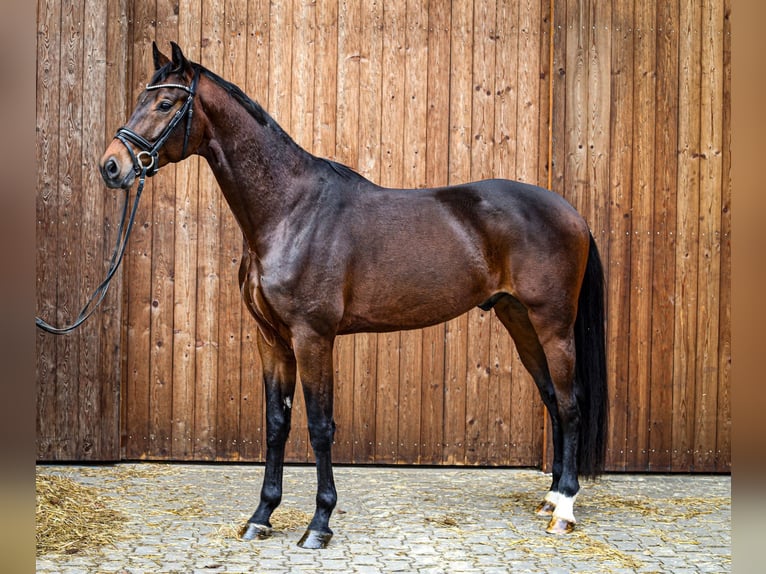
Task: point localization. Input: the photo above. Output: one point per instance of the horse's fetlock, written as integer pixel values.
(271, 496)
(327, 500)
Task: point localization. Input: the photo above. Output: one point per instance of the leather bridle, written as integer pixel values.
(151, 150)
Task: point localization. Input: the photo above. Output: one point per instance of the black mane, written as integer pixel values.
(254, 109)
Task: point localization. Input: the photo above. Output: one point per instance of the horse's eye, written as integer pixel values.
(165, 105)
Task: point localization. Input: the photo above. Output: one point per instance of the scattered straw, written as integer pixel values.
(72, 518)
(445, 521)
(289, 519)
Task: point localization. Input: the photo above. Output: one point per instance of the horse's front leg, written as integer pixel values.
(279, 381)
(314, 355)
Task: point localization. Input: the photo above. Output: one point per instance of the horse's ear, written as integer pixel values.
(179, 60)
(160, 59)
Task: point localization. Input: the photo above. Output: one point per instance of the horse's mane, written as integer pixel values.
(255, 110)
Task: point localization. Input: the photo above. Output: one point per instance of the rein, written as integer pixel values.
(143, 170)
(119, 250)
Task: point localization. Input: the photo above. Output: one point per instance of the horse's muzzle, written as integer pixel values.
(117, 173)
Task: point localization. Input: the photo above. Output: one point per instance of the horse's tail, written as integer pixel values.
(590, 367)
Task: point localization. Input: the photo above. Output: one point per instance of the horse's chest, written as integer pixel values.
(267, 298)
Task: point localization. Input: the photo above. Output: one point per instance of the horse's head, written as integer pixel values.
(161, 129)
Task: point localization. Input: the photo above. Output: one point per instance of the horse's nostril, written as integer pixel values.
(112, 168)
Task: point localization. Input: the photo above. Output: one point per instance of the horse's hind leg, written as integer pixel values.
(559, 500)
(279, 375)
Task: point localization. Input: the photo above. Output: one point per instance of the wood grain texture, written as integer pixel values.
(624, 109)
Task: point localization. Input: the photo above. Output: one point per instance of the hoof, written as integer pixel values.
(560, 526)
(254, 531)
(546, 508)
(314, 539)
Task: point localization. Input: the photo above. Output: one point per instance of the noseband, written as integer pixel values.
(150, 150)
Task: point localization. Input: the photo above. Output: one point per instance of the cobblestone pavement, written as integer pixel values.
(184, 518)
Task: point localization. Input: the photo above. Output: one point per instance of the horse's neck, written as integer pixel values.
(255, 165)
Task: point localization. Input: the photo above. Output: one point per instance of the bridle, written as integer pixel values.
(151, 150)
(143, 170)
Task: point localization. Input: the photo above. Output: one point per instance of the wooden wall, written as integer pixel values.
(630, 103)
(641, 137)
(82, 48)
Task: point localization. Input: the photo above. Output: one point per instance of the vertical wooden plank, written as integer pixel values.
(642, 237)
(70, 240)
(47, 160)
(436, 174)
(230, 300)
(616, 251)
(302, 85)
(723, 439)
(252, 411)
(411, 376)
(281, 63)
(709, 254)
(115, 109)
(528, 97)
(547, 46)
(138, 265)
(482, 144)
(391, 175)
(325, 74)
(598, 114)
(663, 275)
(93, 371)
(558, 93)
(185, 250)
(687, 246)
(160, 350)
(70, 178)
(577, 44)
(208, 263)
(461, 90)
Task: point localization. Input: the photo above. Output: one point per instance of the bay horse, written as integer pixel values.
(327, 252)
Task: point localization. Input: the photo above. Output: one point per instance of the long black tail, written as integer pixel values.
(590, 368)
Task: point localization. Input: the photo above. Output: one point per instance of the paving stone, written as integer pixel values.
(402, 520)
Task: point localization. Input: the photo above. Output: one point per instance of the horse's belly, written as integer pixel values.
(391, 309)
